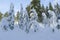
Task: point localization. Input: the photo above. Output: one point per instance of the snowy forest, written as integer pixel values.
(36, 22)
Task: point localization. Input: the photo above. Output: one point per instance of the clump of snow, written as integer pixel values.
(52, 20)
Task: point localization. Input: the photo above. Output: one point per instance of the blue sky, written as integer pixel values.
(5, 4)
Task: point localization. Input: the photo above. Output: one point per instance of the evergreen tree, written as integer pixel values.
(1, 16)
(50, 6)
(37, 6)
(28, 8)
(26, 21)
(58, 27)
(11, 17)
(46, 11)
(57, 11)
(6, 14)
(43, 8)
(18, 14)
(21, 19)
(16, 17)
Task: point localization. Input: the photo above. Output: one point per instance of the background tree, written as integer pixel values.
(1, 16)
(37, 6)
(6, 14)
(46, 11)
(50, 6)
(43, 8)
(28, 8)
(18, 14)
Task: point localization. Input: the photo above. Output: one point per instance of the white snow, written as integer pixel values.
(17, 34)
(53, 19)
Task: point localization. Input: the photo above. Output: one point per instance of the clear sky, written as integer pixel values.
(5, 4)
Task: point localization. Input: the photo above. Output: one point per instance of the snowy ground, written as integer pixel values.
(42, 34)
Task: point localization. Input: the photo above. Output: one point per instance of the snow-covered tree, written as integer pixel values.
(11, 17)
(36, 4)
(26, 21)
(33, 20)
(21, 19)
(52, 19)
(57, 12)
